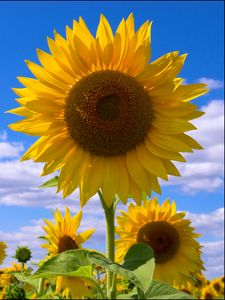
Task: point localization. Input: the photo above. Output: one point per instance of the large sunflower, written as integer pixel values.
(2, 251)
(107, 118)
(177, 253)
(63, 236)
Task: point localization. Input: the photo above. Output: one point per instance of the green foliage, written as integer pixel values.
(69, 263)
(138, 265)
(13, 291)
(160, 290)
(27, 280)
(50, 183)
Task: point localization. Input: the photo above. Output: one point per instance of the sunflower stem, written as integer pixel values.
(110, 244)
(40, 286)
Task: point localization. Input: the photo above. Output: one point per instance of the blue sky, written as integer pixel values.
(191, 27)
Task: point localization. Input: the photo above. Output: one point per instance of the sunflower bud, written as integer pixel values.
(23, 254)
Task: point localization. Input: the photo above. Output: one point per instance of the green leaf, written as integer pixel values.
(73, 263)
(160, 290)
(138, 265)
(50, 183)
(27, 279)
(140, 259)
(69, 263)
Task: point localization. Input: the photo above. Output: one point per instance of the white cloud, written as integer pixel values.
(213, 256)
(211, 224)
(24, 236)
(10, 150)
(212, 83)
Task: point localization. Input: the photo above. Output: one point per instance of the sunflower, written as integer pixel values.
(218, 285)
(61, 237)
(107, 118)
(208, 292)
(2, 251)
(176, 252)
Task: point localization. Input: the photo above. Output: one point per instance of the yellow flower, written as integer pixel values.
(2, 251)
(6, 278)
(218, 285)
(208, 292)
(63, 236)
(176, 252)
(107, 118)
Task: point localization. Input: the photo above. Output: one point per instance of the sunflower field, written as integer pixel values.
(110, 121)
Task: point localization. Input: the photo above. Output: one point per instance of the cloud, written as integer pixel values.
(9, 149)
(211, 224)
(213, 256)
(24, 236)
(212, 83)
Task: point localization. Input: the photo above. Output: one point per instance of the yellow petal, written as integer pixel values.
(110, 182)
(84, 236)
(150, 162)
(137, 171)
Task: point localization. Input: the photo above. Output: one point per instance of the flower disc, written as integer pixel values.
(162, 237)
(108, 113)
(66, 243)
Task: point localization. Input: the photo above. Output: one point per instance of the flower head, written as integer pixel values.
(107, 118)
(176, 252)
(63, 236)
(208, 292)
(2, 251)
(218, 285)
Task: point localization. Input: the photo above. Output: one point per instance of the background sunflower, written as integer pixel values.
(177, 253)
(2, 251)
(63, 236)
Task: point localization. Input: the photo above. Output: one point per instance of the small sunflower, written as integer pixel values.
(107, 118)
(2, 251)
(218, 285)
(177, 253)
(63, 236)
(208, 292)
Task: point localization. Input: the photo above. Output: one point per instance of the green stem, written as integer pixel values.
(40, 286)
(110, 244)
(23, 268)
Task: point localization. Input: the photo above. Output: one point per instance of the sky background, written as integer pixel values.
(191, 27)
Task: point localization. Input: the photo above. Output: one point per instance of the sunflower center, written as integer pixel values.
(208, 295)
(66, 243)
(162, 237)
(108, 107)
(108, 113)
(217, 286)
